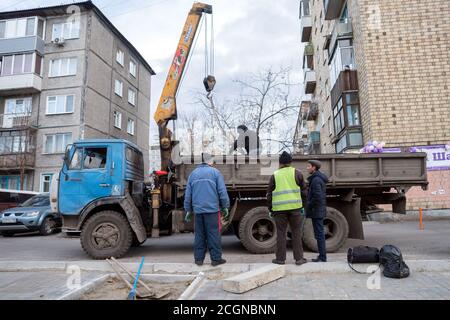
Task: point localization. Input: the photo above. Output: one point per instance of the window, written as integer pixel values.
(56, 143)
(118, 88)
(46, 180)
(66, 30)
(18, 106)
(60, 104)
(17, 64)
(63, 67)
(75, 163)
(118, 119)
(130, 127)
(338, 116)
(133, 68)
(16, 28)
(131, 96)
(94, 158)
(120, 57)
(13, 144)
(343, 59)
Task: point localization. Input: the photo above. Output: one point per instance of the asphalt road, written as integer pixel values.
(431, 243)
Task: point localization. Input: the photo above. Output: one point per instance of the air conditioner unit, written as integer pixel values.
(59, 41)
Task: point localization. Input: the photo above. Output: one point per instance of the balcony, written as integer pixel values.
(312, 112)
(342, 29)
(310, 81)
(23, 83)
(16, 121)
(306, 21)
(333, 8)
(23, 44)
(306, 25)
(17, 161)
(347, 81)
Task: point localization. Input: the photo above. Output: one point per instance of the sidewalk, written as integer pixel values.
(322, 286)
(333, 280)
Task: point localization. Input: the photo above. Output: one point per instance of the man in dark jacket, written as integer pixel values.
(286, 194)
(206, 196)
(248, 140)
(316, 205)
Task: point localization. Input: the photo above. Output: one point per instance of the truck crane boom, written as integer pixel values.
(167, 109)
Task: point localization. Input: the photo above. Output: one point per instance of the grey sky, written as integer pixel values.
(249, 36)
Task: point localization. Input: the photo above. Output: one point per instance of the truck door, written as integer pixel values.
(88, 178)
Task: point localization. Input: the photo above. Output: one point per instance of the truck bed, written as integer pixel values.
(385, 170)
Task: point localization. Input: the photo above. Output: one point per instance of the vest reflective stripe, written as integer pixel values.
(286, 195)
(285, 192)
(286, 202)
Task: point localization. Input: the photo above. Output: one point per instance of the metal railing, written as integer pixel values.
(15, 120)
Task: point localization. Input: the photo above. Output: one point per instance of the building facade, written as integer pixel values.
(378, 70)
(66, 74)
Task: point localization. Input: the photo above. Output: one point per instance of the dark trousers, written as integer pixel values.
(295, 221)
(319, 234)
(207, 236)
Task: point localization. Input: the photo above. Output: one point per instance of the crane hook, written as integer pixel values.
(209, 82)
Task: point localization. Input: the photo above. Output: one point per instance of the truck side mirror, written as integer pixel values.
(66, 155)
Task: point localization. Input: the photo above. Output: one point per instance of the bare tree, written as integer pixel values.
(264, 104)
(190, 123)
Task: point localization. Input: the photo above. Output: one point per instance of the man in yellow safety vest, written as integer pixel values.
(286, 194)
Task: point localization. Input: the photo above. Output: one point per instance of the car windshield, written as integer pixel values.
(37, 201)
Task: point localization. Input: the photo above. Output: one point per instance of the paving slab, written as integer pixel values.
(249, 280)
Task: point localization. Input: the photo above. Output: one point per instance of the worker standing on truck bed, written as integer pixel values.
(206, 196)
(317, 206)
(248, 140)
(285, 197)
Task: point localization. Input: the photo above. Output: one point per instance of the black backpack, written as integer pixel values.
(392, 260)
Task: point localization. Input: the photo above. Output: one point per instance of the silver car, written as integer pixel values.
(34, 214)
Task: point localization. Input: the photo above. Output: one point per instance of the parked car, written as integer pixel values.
(13, 198)
(34, 214)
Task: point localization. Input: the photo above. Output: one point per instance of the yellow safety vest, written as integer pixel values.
(286, 195)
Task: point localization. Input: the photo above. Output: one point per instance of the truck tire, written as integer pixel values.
(106, 234)
(257, 231)
(336, 231)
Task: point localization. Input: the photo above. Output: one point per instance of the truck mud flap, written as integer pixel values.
(226, 223)
(352, 212)
(134, 217)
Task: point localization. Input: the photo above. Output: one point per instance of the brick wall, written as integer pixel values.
(403, 60)
(436, 197)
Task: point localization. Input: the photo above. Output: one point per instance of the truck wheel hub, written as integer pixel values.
(106, 235)
(263, 230)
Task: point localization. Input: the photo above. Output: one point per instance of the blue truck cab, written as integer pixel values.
(101, 193)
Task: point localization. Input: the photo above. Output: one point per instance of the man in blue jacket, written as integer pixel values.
(317, 205)
(206, 196)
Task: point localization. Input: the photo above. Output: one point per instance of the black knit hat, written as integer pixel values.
(315, 163)
(285, 158)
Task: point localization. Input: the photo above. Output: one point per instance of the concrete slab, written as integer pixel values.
(253, 279)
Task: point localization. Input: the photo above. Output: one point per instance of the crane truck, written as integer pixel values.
(101, 190)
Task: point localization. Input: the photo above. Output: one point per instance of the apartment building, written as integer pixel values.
(66, 73)
(378, 70)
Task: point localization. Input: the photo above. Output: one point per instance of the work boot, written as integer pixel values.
(199, 263)
(215, 263)
(301, 261)
(318, 260)
(278, 261)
